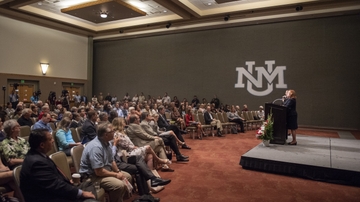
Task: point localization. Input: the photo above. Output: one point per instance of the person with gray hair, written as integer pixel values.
(104, 117)
(13, 148)
(25, 119)
(97, 163)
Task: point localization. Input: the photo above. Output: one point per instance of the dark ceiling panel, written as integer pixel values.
(116, 10)
(225, 1)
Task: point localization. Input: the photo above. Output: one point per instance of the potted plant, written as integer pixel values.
(265, 132)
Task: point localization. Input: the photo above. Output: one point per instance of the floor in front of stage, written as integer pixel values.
(320, 158)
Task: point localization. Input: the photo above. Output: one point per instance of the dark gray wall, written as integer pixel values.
(321, 56)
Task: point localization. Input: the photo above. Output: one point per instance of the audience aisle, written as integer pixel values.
(214, 175)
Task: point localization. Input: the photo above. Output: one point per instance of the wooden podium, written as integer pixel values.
(279, 117)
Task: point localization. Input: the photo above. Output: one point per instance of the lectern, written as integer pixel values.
(279, 117)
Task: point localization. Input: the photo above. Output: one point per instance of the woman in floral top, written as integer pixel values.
(123, 142)
(13, 148)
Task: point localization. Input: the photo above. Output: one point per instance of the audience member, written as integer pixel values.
(25, 119)
(40, 179)
(76, 121)
(235, 118)
(64, 137)
(195, 101)
(97, 163)
(166, 99)
(261, 113)
(212, 121)
(88, 131)
(162, 123)
(245, 108)
(13, 148)
(168, 137)
(190, 122)
(43, 122)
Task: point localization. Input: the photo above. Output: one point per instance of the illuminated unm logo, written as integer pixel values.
(268, 73)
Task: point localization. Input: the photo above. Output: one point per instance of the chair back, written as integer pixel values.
(25, 131)
(76, 153)
(249, 115)
(226, 118)
(75, 135)
(201, 118)
(16, 175)
(61, 162)
(220, 117)
(52, 125)
(214, 116)
(168, 116)
(79, 132)
(254, 114)
(195, 117)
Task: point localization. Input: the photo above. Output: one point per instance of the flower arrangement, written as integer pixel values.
(265, 132)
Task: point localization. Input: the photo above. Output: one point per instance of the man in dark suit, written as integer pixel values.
(209, 120)
(88, 131)
(40, 179)
(84, 99)
(162, 123)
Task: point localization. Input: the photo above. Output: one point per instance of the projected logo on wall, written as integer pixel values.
(269, 73)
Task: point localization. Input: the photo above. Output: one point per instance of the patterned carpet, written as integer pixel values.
(214, 175)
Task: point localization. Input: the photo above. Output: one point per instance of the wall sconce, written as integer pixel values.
(44, 67)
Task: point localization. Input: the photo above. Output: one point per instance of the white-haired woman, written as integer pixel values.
(13, 148)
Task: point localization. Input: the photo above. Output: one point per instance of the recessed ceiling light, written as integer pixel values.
(209, 4)
(165, 11)
(103, 15)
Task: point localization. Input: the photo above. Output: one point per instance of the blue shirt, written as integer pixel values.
(64, 139)
(96, 155)
(40, 124)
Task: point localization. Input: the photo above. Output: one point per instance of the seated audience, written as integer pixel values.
(261, 113)
(88, 131)
(235, 118)
(13, 148)
(64, 137)
(209, 120)
(176, 116)
(168, 137)
(43, 123)
(162, 123)
(103, 118)
(40, 179)
(124, 143)
(25, 119)
(7, 178)
(76, 122)
(34, 111)
(245, 108)
(190, 122)
(97, 163)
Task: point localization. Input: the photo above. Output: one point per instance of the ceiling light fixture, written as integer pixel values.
(103, 14)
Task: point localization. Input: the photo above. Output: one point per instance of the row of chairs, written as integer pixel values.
(199, 117)
(251, 122)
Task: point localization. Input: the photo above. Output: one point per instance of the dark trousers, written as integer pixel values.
(14, 104)
(238, 121)
(136, 166)
(176, 130)
(171, 142)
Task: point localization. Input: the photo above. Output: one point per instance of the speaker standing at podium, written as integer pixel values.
(291, 119)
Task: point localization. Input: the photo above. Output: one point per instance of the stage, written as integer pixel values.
(332, 160)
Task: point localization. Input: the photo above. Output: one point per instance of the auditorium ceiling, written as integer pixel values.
(108, 19)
